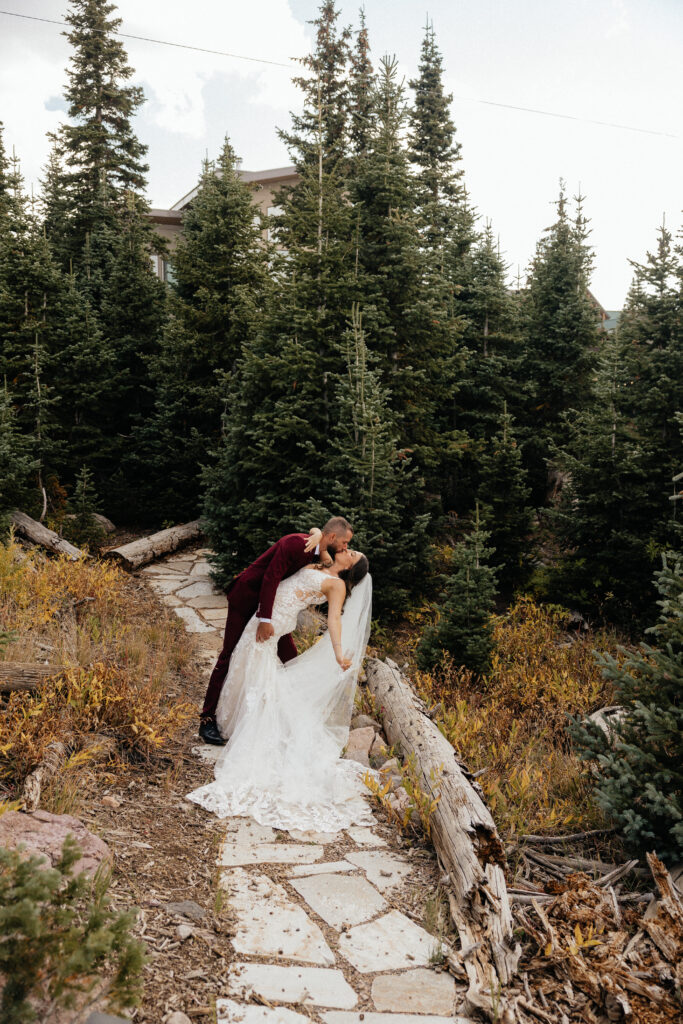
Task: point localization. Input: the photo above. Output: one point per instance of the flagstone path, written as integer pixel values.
(323, 927)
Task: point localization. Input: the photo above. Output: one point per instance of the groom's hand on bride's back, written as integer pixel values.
(264, 631)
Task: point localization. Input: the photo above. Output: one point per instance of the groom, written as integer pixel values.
(253, 591)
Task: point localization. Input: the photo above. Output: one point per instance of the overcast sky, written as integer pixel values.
(606, 60)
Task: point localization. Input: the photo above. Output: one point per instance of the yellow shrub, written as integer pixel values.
(114, 662)
(513, 723)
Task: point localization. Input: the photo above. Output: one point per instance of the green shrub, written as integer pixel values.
(58, 937)
(639, 770)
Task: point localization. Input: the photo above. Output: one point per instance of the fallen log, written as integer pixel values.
(147, 549)
(464, 836)
(19, 675)
(54, 759)
(40, 534)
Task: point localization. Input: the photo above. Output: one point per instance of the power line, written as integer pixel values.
(291, 67)
(161, 42)
(571, 117)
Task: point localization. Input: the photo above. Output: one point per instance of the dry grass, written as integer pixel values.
(514, 723)
(113, 666)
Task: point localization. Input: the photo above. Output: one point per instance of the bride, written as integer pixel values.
(289, 723)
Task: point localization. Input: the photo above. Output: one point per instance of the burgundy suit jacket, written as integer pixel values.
(253, 590)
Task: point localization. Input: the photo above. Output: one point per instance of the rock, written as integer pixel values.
(44, 833)
(359, 743)
(399, 801)
(111, 801)
(311, 622)
(183, 931)
(187, 908)
(379, 746)
(390, 767)
(607, 718)
(364, 721)
(177, 1017)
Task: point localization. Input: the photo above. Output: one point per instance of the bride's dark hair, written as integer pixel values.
(354, 574)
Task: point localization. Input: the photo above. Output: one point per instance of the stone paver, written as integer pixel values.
(417, 991)
(206, 752)
(344, 1017)
(235, 854)
(200, 569)
(365, 836)
(209, 601)
(340, 899)
(165, 584)
(383, 869)
(193, 623)
(269, 924)
(319, 986)
(230, 1012)
(199, 589)
(313, 837)
(326, 868)
(390, 943)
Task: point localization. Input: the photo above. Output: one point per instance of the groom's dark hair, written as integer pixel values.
(337, 525)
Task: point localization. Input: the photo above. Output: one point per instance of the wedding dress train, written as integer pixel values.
(289, 723)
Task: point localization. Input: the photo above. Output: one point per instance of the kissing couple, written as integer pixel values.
(284, 718)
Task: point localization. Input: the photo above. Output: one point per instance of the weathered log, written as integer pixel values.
(19, 675)
(40, 534)
(147, 549)
(55, 756)
(464, 836)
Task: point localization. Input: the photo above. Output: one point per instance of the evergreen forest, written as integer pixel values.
(486, 437)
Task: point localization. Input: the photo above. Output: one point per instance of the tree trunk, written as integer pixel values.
(147, 549)
(464, 836)
(40, 534)
(17, 675)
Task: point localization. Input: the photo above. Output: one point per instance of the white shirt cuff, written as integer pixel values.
(264, 620)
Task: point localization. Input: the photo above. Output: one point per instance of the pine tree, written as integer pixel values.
(82, 527)
(608, 507)
(221, 280)
(504, 496)
(407, 311)
(104, 159)
(361, 87)
(30, 288)
(640, 765)
(376, 488)
(491, 378)
(55, 204)
(281, 404)
(463, 627)
(561, 337)
(622, 452)
(436, 152)
(17, 464)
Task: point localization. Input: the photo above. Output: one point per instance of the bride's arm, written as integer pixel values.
(335, 592)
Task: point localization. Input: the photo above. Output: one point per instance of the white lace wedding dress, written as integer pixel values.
(289, 723)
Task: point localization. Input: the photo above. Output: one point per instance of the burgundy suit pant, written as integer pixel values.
(234, 627)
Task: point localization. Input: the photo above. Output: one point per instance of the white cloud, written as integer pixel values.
(175, 79)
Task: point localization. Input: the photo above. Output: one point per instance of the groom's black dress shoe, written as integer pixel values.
(208, 731)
